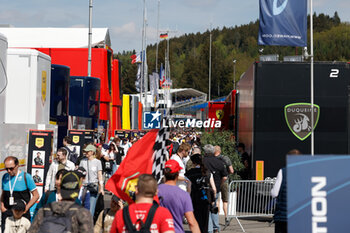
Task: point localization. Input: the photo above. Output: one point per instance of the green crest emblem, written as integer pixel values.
(298, 118)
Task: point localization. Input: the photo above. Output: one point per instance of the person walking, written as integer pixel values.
(17, 223)
(203, 191)
(144, 211)
(64, 215)
(108, 157)
(181, 153)
(72, 153)
(224, 185)
(94, 178)
(176, 200)
(106, 217)
(62, 163)
(217, 168)
(279, 191)
(16, 185)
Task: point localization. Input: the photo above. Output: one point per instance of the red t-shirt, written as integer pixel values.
(162, 220)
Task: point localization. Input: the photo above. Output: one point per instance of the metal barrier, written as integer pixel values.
(250, 198)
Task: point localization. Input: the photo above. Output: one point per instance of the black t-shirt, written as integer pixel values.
(199, 183)
(217, 167)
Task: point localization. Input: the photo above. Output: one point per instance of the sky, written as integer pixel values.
(124, 18)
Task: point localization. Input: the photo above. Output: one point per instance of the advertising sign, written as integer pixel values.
(318, 193)
(39, 152)
(283, 22)
(80, 138)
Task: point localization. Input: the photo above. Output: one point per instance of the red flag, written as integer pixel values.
(133, 58)
(138, 161)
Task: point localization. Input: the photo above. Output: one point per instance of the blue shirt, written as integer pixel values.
(20, 189)
(20, 183)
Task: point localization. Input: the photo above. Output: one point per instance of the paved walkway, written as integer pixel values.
(250, 226)
(261, 225)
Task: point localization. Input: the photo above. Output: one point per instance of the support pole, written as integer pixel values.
(312, 79)
(90, 38)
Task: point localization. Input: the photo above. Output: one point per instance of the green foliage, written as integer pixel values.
(189, 54)
(224, 139)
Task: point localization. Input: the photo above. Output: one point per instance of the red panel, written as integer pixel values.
(104, 111)
(77, 59)
(116, 119)
(115, 84)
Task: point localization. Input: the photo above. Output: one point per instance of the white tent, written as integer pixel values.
(55, 37)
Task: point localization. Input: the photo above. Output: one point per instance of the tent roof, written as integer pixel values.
(55, 37)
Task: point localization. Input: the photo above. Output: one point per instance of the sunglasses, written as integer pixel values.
(10, 168)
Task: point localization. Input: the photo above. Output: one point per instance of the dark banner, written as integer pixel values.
(39, 152)
(129, 133)
(283, 22)
(119, 133)
(80, 138)
(318, 193)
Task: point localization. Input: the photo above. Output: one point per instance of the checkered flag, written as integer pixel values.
(161, 154)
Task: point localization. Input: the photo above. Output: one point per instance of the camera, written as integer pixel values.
(214, 209)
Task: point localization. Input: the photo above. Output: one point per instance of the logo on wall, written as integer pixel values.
(278, 9)
(219, 114)
(151, 120)
(43, 86)
(39, 142)
(76, 139)
(298, 118)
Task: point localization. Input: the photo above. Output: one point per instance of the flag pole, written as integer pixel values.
(312, 78)
(210, 39)
(157, 37)
(142, 54)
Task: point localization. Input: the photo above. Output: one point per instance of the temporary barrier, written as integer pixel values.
(250, 198)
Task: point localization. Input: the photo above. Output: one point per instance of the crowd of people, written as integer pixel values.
(194, 176)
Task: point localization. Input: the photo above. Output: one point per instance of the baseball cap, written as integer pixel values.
(173, 165)
(70, 185)
(81, 172)
(90, 148)
(19, 205)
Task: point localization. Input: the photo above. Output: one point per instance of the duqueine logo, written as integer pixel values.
(279, 9)
(298, 118)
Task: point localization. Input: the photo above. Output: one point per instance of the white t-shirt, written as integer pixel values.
(180, 184)
(16, 226)
(92, 167)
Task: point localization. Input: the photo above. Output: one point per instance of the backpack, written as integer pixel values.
(145, 227)
(72, 155)
(57, 222)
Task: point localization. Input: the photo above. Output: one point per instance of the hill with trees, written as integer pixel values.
(189, 54)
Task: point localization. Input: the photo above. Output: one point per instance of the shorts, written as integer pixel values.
(224, 192)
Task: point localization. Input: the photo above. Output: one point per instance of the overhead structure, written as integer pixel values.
(56, 37)
(181, 97)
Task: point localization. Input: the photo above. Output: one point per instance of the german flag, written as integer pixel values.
(164, 36)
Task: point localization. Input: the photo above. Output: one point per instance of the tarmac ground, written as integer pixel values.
(250, 225)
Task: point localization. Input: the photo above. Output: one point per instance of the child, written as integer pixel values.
(106, 217)
(17, 223)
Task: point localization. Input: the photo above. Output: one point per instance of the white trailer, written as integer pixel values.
(3, 78)
(28, 89)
